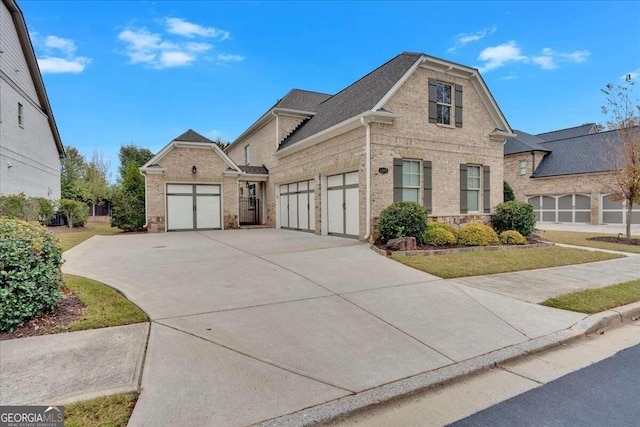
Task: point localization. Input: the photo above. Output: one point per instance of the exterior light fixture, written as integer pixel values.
(194, 169)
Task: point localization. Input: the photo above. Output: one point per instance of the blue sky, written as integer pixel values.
(139, 72)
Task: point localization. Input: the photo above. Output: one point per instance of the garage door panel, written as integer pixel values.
(564, 216)
(208, 211)
(296, 210)
(312, 211)
(351, 178)
(549, 216)
(612, 217)
(180, 188)
(335, 199)
(303, 211)
(293, 210)
(535, 202)
(352, 211)
(180, 212)
(548, 202)
(565, 202)
(335, 181)
(284, 210)
(583, 217)
(583, 202)
(207, 189)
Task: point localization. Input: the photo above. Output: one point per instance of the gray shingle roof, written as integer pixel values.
(355, 99)
(523, 142)
(192, 136)
(573, 132)
(255, 170)
(302, 100)
(583, 154)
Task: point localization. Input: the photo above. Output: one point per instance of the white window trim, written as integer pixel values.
(522, 167)
(478, 190)
(452, 109)
(412, 187)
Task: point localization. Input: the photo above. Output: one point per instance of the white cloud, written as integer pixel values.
(509, 77)
(188, 29)
(463, 39)
(548, 59)
(60, 65)
(230, 58)
(497, 56)
(58, 55)
(157, 50)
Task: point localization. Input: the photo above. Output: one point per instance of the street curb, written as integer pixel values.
(345, 406)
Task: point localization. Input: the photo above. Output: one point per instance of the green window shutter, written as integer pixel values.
(458, 106)
(486, 189)
(463, 189)
(428, 186)
(433, 96)
(397, 180)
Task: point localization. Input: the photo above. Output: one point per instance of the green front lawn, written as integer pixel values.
(71, 238)
(580, 239)
(465, 264)
(596, 300)
(110, 411)
(104, 306)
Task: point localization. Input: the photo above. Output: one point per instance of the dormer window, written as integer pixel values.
(445, 103)
(247, 154)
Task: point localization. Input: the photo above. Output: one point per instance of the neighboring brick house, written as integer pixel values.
(566, 175)
(417, 128)
(30, 146)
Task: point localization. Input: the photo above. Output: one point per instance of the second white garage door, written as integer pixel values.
(343, 201)
(193, 207)
(298, 206)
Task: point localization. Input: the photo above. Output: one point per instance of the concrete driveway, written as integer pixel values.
(249, 325)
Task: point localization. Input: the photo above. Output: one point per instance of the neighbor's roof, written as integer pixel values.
(34, 70)
(192, 136)
(357, 98)
(589, 153)
(582, 130)
(523, 142)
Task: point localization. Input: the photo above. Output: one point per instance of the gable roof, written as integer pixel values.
(254, 170)
(582, 130)
(590, 153)
(368, 95)
(34, 70)
(357, 98)
(192, 136)
(523, 142)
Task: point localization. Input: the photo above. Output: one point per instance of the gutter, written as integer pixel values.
(367, 163)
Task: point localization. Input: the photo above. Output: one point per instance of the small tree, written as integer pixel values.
(623, 115)
(508, 195)
(72, 173)
(95, 186)
(129, 153)
(127, 210)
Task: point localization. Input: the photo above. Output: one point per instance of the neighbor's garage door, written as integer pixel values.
(613, 211)
(298, 206)
(567, 208)
(193, 207)
(343, 204)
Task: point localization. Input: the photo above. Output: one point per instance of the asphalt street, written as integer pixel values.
(604, 394)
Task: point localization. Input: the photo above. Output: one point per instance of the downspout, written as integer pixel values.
(367, 168)
(146, 218)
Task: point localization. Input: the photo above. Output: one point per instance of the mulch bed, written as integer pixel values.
(69, 309)
(613, 239)
(380, 245)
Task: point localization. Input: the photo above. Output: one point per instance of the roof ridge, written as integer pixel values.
(572, 127)
(310, 91)
(582, 136)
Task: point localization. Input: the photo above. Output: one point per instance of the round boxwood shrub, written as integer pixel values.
(478, 234)
(403, 219)
(516, 216)
(30, 277)
(512, 237)
(438, 236)
(450, 228)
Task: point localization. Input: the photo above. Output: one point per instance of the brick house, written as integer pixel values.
(416, 128)
(566, 175)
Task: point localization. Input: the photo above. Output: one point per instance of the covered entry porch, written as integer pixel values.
(252, 195)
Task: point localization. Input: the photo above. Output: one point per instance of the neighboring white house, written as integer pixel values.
(30, 146)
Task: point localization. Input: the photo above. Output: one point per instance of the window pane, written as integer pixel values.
(406, 166)
(440, 97)
(444, 114)
(473, 198)
(410, 195)
(473, 177)
(415, 167)
(447, 94)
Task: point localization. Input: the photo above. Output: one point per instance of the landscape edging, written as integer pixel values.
(434, 252)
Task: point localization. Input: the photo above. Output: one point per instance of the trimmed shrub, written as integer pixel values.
(30, 276)
(13, 206)
(478, 234)
(19, 206)
(75, 212)
(438, 236)
(512, 237)
(46, 210)
(507, 193)
(450, 228)
(516, 216)
(403, 219)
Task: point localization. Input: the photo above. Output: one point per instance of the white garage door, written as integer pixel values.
(193, 207)
(568, 208)
(343, 203)
(298, 206)
(613, 211)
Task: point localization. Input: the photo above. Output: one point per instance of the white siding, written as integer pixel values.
(29, 160)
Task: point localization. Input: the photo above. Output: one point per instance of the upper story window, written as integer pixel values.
(411, 181)
(473, 188)
(247, 154)
(522, 168)
(20, 115)
(444, 103)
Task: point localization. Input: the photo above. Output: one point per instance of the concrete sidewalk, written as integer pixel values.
(67, 367)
